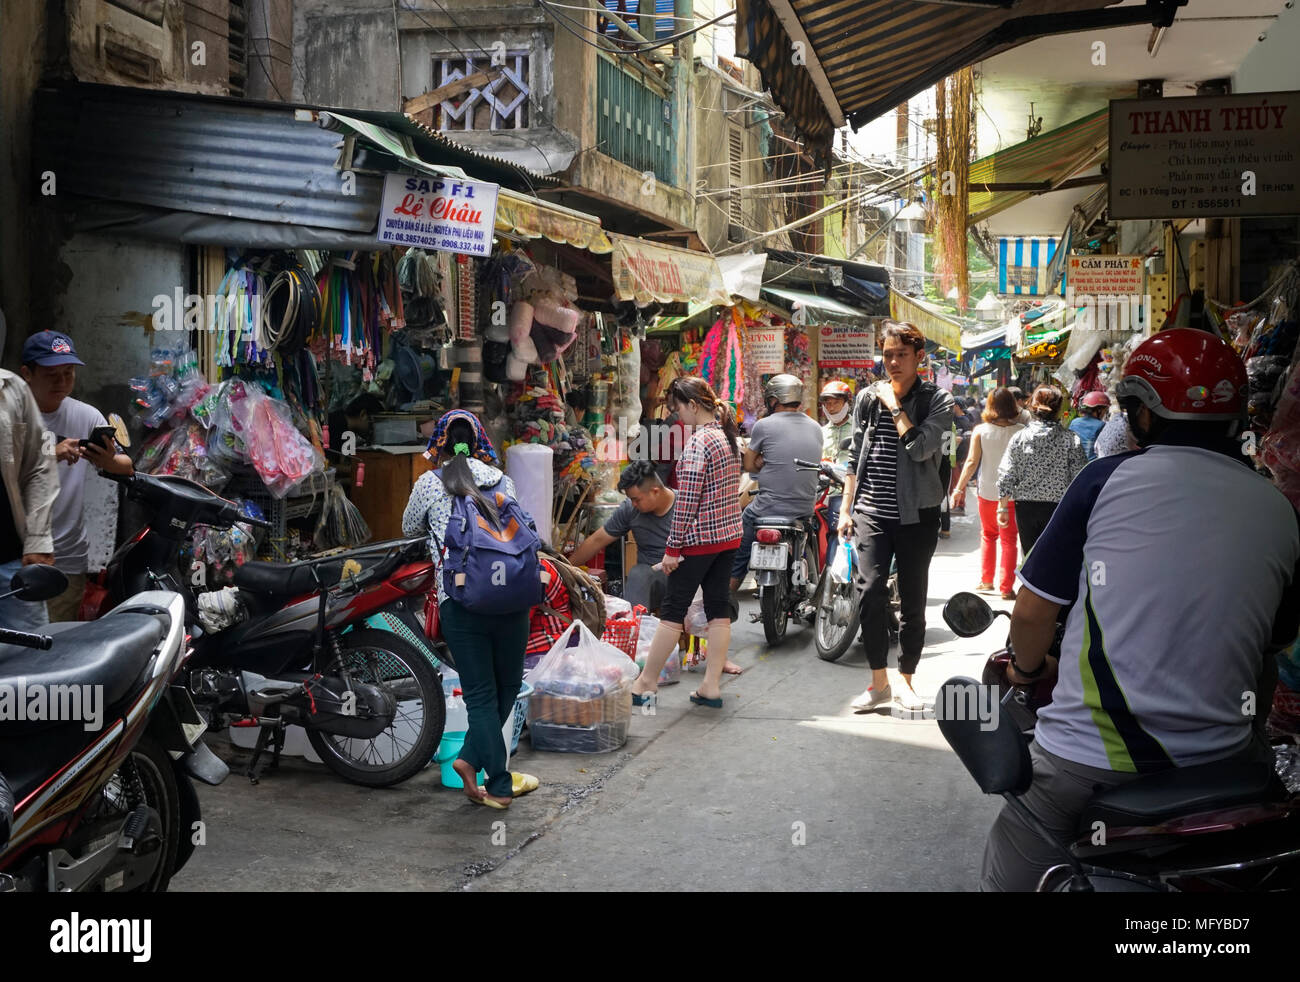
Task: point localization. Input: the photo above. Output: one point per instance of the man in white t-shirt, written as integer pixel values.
(50, 370)
(1179, 567)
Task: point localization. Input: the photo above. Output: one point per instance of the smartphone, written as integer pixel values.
(101, 435)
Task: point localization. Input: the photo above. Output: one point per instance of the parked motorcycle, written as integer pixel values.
(1227, 825)
(838, 604)
(292, 645)
(100, 802)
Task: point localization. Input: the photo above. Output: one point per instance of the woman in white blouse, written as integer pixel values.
(1039, 465)
(989, 442)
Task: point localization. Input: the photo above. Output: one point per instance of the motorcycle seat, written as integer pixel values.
(112, 652)
(1182, 791)
(287, 579)
(774, 521)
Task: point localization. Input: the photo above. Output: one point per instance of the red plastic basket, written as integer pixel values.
(623, 631)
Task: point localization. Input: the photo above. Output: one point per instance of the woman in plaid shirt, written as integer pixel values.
(705, 534)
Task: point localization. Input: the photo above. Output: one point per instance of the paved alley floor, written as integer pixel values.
(784, 788)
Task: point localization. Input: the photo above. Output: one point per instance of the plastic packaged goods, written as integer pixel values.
(672, 670)
(582, 701)
(697, 622)
(530, 466)
(252, 428)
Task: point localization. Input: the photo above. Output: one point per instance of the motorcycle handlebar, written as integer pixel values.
(41, 642)
(828, 471)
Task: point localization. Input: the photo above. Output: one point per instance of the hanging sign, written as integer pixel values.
(1104, 276)
(766, 350)
(847, 347)
(440, 213)
(1205, 156)
(645, 271)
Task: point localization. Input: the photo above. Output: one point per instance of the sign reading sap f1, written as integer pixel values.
(439, 213)
(1220, 156)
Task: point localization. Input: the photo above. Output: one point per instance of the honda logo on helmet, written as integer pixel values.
(1225, 391)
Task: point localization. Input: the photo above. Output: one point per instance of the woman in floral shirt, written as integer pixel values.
(1040, 463)
(705, 534)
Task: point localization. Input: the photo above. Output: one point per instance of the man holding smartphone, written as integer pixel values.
(50, 369)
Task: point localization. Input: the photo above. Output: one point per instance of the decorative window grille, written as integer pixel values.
(502, 104)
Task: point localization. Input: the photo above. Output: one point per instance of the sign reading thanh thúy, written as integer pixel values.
(1205, 156)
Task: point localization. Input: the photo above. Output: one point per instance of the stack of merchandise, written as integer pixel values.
(582, 700)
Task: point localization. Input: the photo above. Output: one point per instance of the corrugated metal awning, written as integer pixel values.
(825, 305)
(1047, 161)
(828, 62)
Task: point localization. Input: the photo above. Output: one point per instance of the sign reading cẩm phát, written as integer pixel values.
(440, 213)
(1205, 156)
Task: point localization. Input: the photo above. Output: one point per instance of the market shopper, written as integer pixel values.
(989, 443)
(1038, 466)
(836, 402)
(488, 648)
(30, 487)
(1114, 436)
(1155, 658)
(780, 438)
(1093, 409)
(891, 505)
(702, 542)
(1024, 417)
(50, 369)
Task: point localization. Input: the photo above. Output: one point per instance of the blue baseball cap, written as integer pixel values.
(50, 348)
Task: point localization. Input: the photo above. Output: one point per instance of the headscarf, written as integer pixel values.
(482, 448)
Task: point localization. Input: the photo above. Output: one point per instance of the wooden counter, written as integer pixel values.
(385, 489)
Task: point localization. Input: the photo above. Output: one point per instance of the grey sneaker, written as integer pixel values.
(871, 699)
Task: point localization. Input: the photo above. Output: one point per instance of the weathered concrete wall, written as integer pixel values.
(270, 51)
(349, 55)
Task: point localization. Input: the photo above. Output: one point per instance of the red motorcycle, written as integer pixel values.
(293, 643)
(1226, 825)
(95, 789)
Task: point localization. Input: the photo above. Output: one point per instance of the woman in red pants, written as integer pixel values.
(988, 443)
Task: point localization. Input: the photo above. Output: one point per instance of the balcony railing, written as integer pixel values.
(634, 121)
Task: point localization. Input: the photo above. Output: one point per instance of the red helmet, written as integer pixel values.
(1095, 399)
(836, 390)
(1184, 373)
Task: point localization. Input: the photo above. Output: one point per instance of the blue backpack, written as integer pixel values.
(490, 571)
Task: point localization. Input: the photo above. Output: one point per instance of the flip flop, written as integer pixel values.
(700, 700)
(523, 783)
(485, 800)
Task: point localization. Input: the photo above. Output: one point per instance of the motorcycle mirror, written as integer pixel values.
(967, 615)
(986, 740)
(39, 582)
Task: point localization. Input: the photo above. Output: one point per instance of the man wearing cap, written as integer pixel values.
(50, 369)
(1093, 409)
(30, 487)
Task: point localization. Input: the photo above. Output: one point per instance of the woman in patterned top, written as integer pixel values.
(705, 534)
(1038, 466)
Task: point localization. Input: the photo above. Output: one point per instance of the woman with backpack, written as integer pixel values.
(705, 534)
(487, 635)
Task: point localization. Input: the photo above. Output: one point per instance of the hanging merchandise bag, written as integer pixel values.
(582, 698)
(491, 571)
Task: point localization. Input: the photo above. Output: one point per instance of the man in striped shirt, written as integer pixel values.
(891, 505)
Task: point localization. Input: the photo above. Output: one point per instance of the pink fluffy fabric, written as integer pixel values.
(521, 321)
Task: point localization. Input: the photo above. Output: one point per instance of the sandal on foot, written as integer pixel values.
(491, 803)
(700, 700)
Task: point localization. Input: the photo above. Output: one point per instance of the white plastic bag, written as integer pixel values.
(616, 607)
(841, 570)
(697, 622)
(672, 669)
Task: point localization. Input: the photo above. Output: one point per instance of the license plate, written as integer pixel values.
(768, 557)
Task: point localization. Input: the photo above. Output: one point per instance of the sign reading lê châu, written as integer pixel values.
(1205, 156)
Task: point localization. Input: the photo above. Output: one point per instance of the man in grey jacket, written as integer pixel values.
(30, 485)
(902, 428)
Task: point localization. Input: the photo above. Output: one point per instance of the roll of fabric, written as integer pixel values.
(516, 368)
(521, 321)
(530, 466)
(551, 313)
(526, 351)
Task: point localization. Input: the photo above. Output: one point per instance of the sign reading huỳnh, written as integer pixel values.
(440, 213)
(847, 347)
(767, 350)
(1205, 156)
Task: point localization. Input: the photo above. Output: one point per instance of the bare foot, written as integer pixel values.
(731, 668)
(499, 802)
(470, 776)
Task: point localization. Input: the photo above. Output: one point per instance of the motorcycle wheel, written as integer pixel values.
(771, 602)
(407, 745)
(145, 777)
(836, 621)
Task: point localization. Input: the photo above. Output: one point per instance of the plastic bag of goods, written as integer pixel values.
(841, 568)
(697, 621)
(582, 701)
(672, 670)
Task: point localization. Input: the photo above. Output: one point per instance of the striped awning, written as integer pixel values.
(828, 62)
(1023, 263)
(1038, 165)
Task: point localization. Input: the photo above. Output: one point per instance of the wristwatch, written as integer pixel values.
(896, 412)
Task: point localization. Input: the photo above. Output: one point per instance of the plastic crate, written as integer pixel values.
(623, 631)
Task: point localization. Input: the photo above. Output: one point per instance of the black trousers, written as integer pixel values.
(879, 543)
(1031, 518)
(945, 476)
